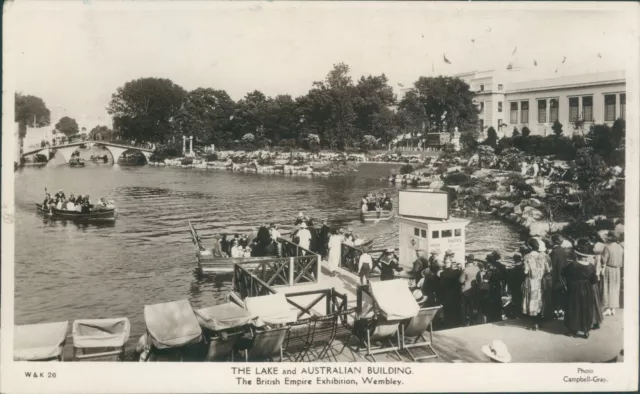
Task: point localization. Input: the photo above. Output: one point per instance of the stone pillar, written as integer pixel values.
(184, 144)
(191, 145)
(618, 106)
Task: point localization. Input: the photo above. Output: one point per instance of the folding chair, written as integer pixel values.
(369, 332)
(267, 343)
(415, 328)
(40, 342)
(222, 347)
(322, 336)
(108, 335)
(298, 339)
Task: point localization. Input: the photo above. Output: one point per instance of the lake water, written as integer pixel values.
(67, 271)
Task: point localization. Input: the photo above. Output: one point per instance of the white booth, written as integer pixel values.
(425, 226)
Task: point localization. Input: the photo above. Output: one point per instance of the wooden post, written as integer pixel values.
(329, 294)
(291, 271)
(318, 268)
(359, 302)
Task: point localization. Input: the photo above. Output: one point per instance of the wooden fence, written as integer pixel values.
(350, 255)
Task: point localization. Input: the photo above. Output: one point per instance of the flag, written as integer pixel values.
(514, 51)
(599, 55)
(535, 63)
(445, 59)
(473, 41)
(509, 66)
(422, 35)
(401, 85)
(556, 70)
(563, 60)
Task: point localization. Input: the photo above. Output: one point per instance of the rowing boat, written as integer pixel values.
(103, 215)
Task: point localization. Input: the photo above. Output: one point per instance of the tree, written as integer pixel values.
(207, 115)
(368, 143)
(445, 103)
(102, 133)
(67, 126)
(144, 109)
(30, 111)
(525, 131)
(557, 128)
(251, 116)
(371, 104)
(515, 132)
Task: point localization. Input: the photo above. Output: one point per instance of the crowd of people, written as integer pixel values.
(81, 203)
(578, 283)
(376, 203)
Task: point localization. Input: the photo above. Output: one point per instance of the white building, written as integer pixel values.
(509, 99)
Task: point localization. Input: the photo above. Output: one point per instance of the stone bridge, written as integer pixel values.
(115, 149)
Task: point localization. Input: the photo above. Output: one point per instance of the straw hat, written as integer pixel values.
(497, 351)
(390, 250)
(434, 252)
(420, 298)
(300, 215)
(449, 253)
(303, 225)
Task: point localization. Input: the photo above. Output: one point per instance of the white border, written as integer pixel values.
(203, 377)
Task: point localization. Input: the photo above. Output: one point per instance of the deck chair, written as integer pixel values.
(415, 328)
(100, 338)
(222, 347)
(372, 331)
(267, 343)
(171, 326)
(40, 342)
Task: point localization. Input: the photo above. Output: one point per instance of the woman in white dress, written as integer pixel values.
(335, 243)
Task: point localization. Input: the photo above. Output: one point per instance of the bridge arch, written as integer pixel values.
(116, 151)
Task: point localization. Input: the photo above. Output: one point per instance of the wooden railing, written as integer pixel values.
(279, 271)
(350, 255)
(247, 284)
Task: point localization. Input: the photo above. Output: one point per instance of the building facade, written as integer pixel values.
(508, 100)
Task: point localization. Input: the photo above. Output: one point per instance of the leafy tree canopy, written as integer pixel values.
(30, 111)
(144, 109)
(67, 126)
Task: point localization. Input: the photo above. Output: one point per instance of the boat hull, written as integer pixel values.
(107, 215)
(372, 217)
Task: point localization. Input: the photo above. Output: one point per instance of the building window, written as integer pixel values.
(542, 111)
(623, 106)
(499, 86)
(524, 112)
(553, 110)
(587, 108)
(458, 232)
(574, 105)
(423, 233)
(482, 88)
(609, 107)
(416, 231)
(481, 124)
(514, 113)
(499, 123)
(482, 106)
(435, 234)
(499, 106)
(447, 233)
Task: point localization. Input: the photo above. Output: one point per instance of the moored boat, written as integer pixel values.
(103, 215)
(76, 162)
(376, 216)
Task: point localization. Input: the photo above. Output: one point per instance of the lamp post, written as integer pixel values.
(191, 145)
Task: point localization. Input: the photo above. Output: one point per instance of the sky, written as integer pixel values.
(75, 55)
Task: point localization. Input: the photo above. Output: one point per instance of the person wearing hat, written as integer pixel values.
(335, 247)
(60, 195)
(535, 267)
(497, 351)
(450, 291)
(612, 262)
(388, 263)
(558, 257)
(323, 239)
(581, 314)
(469, 305)
(365, 263)
(304, 238)
(300, 219)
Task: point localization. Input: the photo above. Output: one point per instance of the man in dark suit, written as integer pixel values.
(558, 262)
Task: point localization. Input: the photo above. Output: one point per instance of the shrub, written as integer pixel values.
(406, 169)
(525, 131)
(212, 157)
(468, 142)
(492, 138)
(187, 161)
(265, 161)
(557, 128)
(457, 178)
(515, 132)
(511, 159)
(520, 186)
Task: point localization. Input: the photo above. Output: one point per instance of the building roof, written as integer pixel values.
(601, 78)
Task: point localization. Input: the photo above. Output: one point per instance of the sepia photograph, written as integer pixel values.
(319, 196)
